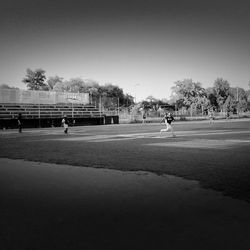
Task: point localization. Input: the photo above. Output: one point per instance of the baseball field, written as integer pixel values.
(126, 186)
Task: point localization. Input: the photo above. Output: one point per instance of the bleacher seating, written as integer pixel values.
(36, 111)
(46, 115)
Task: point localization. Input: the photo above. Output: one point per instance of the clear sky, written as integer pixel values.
(143, 46)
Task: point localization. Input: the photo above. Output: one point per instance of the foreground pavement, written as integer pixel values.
(49, 206)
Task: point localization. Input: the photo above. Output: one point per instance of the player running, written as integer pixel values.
(168, 118)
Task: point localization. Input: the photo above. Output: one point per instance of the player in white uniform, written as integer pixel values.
(65, 123)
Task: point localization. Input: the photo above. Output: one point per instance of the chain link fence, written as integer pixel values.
(106, 105)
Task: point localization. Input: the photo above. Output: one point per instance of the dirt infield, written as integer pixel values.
(49, 206)
(113, 187)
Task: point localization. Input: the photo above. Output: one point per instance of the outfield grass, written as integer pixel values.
(139, 147)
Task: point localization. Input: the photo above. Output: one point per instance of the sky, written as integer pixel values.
(143, 46)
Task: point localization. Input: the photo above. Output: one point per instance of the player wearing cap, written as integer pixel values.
(168, 118)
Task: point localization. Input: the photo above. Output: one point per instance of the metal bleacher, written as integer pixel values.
(47, 115)
(46, 108)
(35, 111)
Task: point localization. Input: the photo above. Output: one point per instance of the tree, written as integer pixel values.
(190, 94)
(61, 86)
(211, 96)
(237, 100)
(112, 95)
(221, 88)
(127, 101)
(151, 103)
(53, 80)
(35, 80)
(76, 85)
(248, 99)
(91, 87)
(5, 86)
(111, 90)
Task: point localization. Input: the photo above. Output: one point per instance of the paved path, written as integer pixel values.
(49, 206)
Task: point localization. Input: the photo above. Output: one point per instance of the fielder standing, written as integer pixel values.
(65, 123)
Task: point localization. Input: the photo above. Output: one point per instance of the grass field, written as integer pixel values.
(215, 155)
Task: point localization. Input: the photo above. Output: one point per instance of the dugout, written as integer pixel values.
(111, 119)
(49, 122)
(57, 122)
